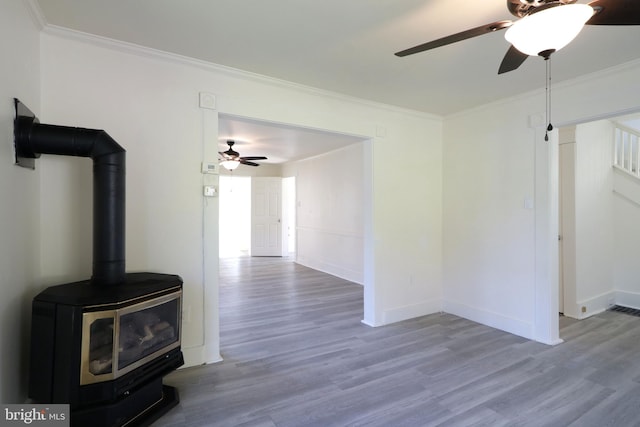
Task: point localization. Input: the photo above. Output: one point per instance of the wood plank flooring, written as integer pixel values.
(296, 354)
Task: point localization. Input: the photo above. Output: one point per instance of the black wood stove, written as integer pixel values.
(101, 345)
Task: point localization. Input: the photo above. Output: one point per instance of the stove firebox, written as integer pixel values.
(104, 350)
(101, 345)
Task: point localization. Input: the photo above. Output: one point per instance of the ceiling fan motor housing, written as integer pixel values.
(231, 153)
(522, 8)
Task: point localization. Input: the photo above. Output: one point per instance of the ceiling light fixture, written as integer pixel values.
(230, 164)
(548, 30)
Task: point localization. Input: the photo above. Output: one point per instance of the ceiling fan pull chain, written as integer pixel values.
(548, 98)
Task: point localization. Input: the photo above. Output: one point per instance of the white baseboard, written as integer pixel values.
(627, 299)
(595, 305)
(195, 356)
(552, 342)
(411, 311)
(369, 323)
(494, 320)
(334, 270)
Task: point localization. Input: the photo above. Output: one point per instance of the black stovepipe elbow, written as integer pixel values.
(33, 139)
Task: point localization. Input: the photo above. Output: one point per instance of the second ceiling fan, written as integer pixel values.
(544, 27)
(231, 159)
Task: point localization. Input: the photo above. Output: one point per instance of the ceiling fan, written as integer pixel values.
(231, 159)
(543, 27)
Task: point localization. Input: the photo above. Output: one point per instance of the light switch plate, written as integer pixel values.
(210, 191)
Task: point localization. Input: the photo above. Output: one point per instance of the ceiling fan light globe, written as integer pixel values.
(548, 30)
(230, 164)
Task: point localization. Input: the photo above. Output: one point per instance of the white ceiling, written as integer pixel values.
(347, 46)
(278, 142)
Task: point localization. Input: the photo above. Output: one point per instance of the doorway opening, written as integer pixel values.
(328, 224)
(598, 210)
(235, 215)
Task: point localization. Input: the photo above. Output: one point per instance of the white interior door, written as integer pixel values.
(266, 216)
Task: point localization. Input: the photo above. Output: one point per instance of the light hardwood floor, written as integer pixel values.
(296, 354)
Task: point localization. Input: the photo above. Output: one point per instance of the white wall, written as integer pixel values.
(626, 211)
(594, 217)
(498, 254)
(151, 109)
(407, 220)
(488, 226)
(567, 222)
(330, 212)
(19, 192)
(148, 102)
(588, 226)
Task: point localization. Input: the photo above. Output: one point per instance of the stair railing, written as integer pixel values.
(627, 150)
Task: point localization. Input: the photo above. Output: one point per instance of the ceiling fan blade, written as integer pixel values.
(248, 163)
(615, 12)
(512, 60)
(474, 32)
(253, 158)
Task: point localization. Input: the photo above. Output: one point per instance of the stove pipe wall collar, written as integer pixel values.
(31, 138)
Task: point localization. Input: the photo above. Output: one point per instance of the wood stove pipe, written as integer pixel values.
(33, 139)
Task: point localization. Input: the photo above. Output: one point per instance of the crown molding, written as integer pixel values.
(560, 85)
(143, 51)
